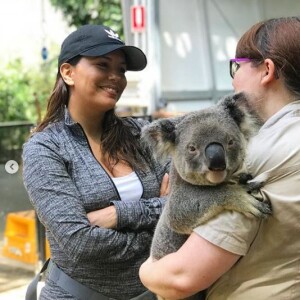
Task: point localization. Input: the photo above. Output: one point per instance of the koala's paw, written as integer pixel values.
(254, 186)
(251, 187)
(244, 178)
(264, 209)
(247, 203)
(256, 207)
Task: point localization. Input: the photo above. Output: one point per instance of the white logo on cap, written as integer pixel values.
(112, 35)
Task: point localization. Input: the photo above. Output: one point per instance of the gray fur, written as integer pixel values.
(197, 193)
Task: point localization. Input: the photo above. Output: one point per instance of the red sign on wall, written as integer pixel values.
(138, 18)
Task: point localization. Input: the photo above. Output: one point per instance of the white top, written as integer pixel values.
(129, 187)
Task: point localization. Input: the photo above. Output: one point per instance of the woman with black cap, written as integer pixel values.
(95, 188)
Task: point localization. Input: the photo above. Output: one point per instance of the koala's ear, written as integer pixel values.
(232, 108)
(237, 107)
(160, 137)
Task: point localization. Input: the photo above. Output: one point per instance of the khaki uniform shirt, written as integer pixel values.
(270, 264)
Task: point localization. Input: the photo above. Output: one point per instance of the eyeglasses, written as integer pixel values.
(234, 65)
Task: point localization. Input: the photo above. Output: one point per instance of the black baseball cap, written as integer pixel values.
(98, 40)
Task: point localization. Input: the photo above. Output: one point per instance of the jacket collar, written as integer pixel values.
(75, 127)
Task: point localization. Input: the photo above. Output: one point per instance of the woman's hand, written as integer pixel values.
(165, 185)
(105, 217)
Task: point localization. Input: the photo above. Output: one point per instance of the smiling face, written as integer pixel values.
(96, 83)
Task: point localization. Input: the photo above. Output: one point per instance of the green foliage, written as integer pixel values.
(14, 86)
(81, 12)
(23, 91)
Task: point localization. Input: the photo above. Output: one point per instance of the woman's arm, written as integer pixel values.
(142, 214)
(107, 217)
(194, 267)
(59, 207)
(137, 215)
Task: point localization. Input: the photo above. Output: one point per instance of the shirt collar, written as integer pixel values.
(291, 109)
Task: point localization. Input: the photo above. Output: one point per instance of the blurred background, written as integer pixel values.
(188, 45)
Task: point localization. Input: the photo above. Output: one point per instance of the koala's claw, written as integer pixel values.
(256, 194)
(254, 185)
(265, 209)
(244, 178)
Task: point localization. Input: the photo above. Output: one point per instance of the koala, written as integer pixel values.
(207, 150)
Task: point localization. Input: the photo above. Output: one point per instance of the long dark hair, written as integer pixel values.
(277, 39)
(117, 139)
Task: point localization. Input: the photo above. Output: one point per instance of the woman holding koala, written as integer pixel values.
(235, 256)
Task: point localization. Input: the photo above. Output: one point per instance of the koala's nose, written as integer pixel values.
(215, 156)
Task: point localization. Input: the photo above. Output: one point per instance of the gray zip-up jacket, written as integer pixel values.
(64, 182)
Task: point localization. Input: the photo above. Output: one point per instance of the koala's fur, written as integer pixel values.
(208, 149)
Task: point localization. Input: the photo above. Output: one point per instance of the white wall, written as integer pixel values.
(25, 29)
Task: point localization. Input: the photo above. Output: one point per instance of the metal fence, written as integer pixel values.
(13, 195)
(12, 137)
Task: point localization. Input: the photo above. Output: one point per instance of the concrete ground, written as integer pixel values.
(14, 278)
(14, 294)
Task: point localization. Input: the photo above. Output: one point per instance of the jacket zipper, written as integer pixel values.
(116, 190)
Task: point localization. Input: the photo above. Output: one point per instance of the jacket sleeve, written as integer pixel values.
(58, 206)
(141, 214)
